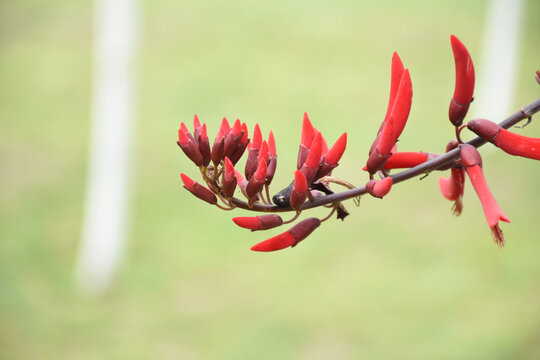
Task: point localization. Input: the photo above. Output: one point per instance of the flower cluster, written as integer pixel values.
(310, 187)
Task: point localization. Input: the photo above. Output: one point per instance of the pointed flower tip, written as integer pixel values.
(257, 137)
(336, 151)
(260, 173)
(308, 132)
(247, 222)
(314, 156)
(275, 243)
(271, 143)
(300, 182)
(261, 222)
(196, 122)
(188, 182)
(237, 128)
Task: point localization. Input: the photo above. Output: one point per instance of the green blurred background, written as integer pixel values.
(400, 278)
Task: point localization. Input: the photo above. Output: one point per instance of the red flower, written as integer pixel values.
(299, 191)
(261, 222)
(290, 237)
(464, 87)
(393, 126)
(198, 190)
(229, 179)
(308, 134)
(508, 141)
(453, 187)
(472, 162)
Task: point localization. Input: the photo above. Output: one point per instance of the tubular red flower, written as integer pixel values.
(464, 86)
(472, 162)
(300, 190)
(453, 188)
(272, 159)
(229, 179)
(393, 126)
(379, 188)
(198, 190)
(290, 237)
(509, 142)
(196, 126)
(311, 165)
(242, 145)
(332, 156)
(253, 152)
(263, 152)
(204, 146)
(308, 135)
(407, 159)
(261, 222)
(189, 146)
(402, 106)
(256, 182)
(232, 139)
(395, 78)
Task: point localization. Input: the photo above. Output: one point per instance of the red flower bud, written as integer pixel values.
(229, 179)
(472, 161)
(308, 134)
(242, 145)
(189, 146)
(452, 189)
(261, 222)
(290, 237)
(379, 188)
(300, 190)
(509, 142)
(232, 139)
(263, 152)
(330, 160)
(198, 190)
(196, 126)
(256, 182)
(464, 87)
(204, 146)
(253, 152)
(311, 165)
(272, 159)
(393, 126)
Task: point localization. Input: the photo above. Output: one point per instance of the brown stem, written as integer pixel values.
(441, 162)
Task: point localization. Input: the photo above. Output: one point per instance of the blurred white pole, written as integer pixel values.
(105, 213)
(498, 66)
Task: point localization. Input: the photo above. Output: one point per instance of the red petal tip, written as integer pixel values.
(188, 182)
(337, 150)
(277, 242)
(300, 182)
(247, 222)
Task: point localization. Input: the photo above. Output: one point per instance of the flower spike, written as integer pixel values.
(291, 237)
(472, 162)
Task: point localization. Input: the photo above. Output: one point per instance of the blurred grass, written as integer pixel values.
(400, 278)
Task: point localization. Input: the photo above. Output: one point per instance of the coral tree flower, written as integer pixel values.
(453, 187)
(472, 162)
(509, 142)
(261, 222)
(464, 86)
(299, 191)
(290, 237)
(392, 127)
(198, 190)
